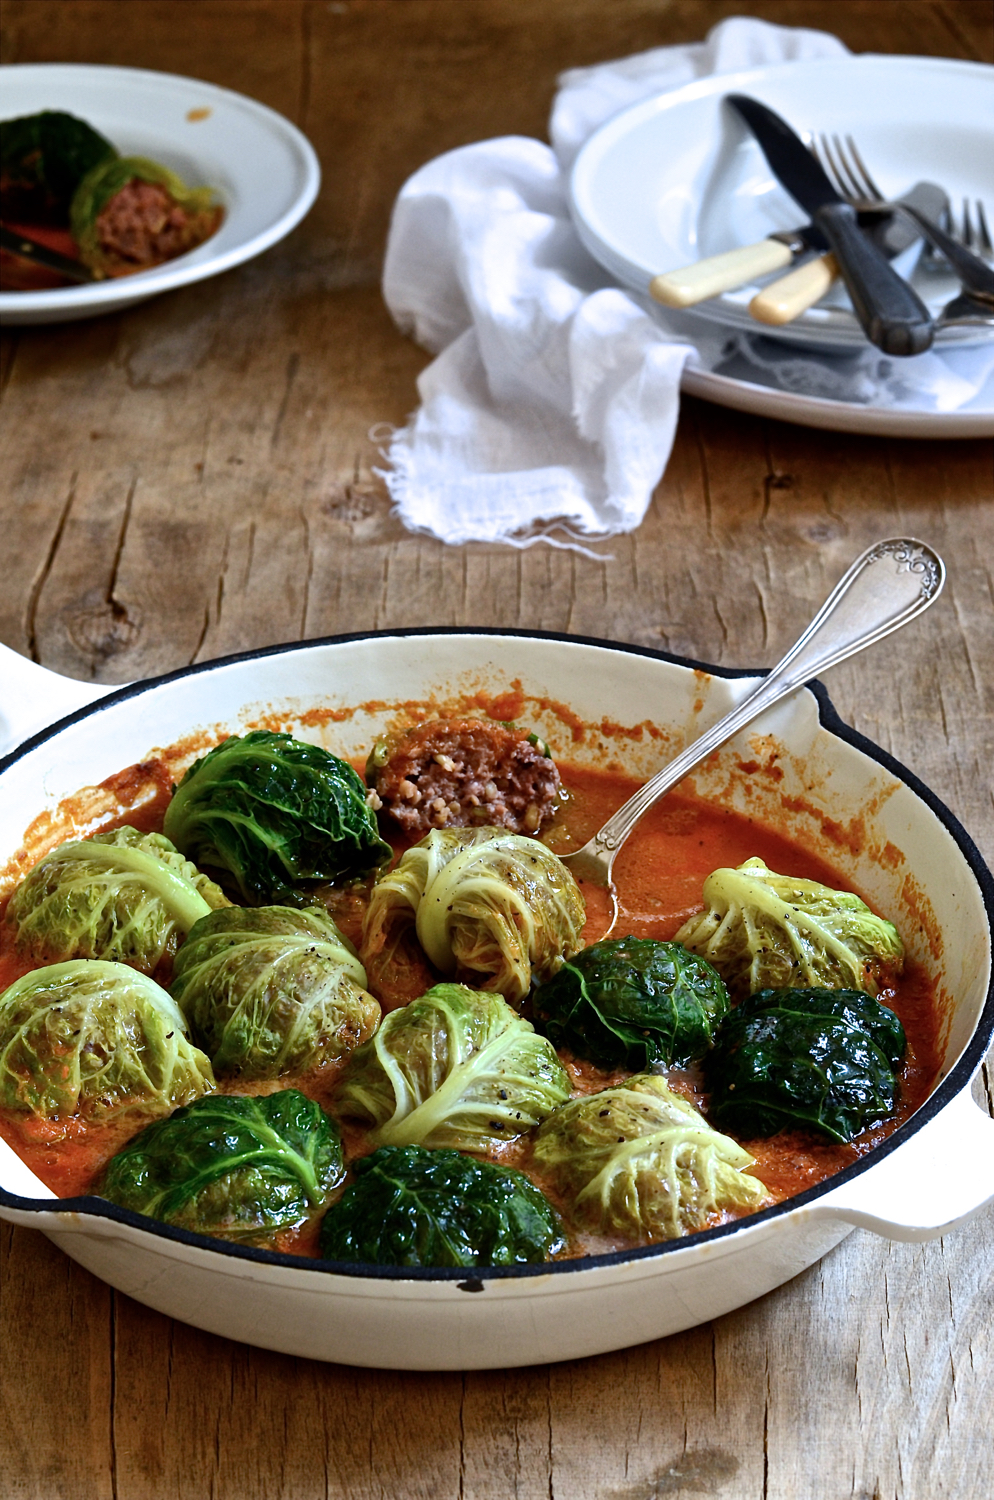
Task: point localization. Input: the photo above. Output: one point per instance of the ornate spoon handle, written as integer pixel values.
(890, 584)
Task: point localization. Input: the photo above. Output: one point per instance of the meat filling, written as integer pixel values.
(455, 773)
(143, 225)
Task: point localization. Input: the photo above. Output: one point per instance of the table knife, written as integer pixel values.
(733, 268)
(786, 298)
(721, 273)
(890, 312)
(28, 249)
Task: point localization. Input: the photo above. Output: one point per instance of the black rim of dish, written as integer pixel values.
(474, 1278)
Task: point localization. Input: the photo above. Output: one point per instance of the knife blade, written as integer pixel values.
(28, 249)
(890, 312)
(786, 298)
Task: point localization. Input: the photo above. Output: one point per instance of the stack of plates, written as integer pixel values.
(677, 178)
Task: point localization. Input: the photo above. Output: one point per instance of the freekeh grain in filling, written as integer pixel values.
(143, 225)
(459, 773)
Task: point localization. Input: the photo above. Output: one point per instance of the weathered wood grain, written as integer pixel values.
(195, 477)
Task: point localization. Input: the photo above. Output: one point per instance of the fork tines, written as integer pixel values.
(851, 178)
(978, 240)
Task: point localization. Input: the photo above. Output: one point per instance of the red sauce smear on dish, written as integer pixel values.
(21, 274)
(659, 875)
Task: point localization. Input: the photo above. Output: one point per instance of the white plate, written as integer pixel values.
(678, 177)
(971, 421)
(264, 170)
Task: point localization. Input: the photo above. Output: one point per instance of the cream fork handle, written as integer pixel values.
(720, 273)
(787, 297)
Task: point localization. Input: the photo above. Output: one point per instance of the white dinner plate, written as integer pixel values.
(263, 169)
(975, 419)
(678, 177)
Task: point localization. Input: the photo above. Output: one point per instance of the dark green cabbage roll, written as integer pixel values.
(814, 1059)
(632, 1002)
(240, 1168)
(412, 1207)
(276, 815)
(43, 159)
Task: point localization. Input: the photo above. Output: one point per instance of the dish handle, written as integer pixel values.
(940, 1178)
(32, 697)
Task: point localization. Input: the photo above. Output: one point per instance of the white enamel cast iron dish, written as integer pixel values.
(902, 848)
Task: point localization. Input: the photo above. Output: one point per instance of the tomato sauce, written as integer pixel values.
(659, 875)
(22, 274)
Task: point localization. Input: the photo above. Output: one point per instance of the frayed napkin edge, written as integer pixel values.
(393, 446)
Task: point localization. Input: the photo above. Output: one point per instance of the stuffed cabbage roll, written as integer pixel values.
(814, 1059)
(124, 896)
(458, 773)
(638, 1160)
(492, 909)
(272, 990)
(43, 159)
(459, 1068)
(129, 214)
(275, 814)
(97, 1041)
(240, 1168)
(632, 1002)
(411, 1207)
(767, 931)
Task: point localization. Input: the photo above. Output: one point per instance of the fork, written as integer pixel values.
(852, 178)
(850, 175)
(785, 299)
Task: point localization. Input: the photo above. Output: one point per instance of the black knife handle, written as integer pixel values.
(891, 313)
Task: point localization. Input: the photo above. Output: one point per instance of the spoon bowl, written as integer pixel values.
(967, 311)
(890, 584)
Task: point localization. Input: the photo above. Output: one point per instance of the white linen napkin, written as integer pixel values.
(550, 410)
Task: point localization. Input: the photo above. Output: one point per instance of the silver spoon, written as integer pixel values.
(890, 584)
(967, 310)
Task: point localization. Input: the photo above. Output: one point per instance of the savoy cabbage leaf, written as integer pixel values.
(761, 931)
(456, 1068)
(412, 1207)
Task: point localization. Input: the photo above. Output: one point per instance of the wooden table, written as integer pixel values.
(197, 477)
